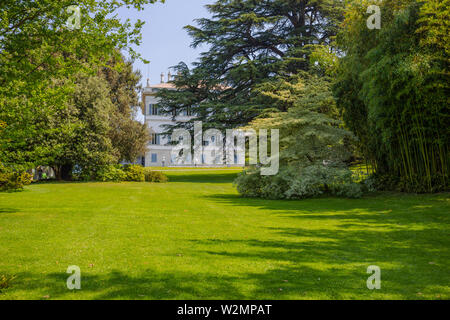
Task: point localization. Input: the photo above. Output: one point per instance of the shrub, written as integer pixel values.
(135, 172)
(369, 184)
(274, 187)
(305, 186)
(348, 190)
(295, 183)
(13, 179)
(111, 173)
(130, 173)
(248, 183)
(155, 176)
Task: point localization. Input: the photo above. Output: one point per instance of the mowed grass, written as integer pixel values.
(195, 238)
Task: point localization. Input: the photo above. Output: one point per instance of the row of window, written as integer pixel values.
(154, 159)
(155, 110)
(155, 139)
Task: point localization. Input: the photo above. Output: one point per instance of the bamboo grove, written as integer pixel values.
(393, 87)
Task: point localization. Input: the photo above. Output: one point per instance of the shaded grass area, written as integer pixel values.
(195, 238)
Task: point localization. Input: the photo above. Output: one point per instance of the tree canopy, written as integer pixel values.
(249, 42)
(42, 63)
(392, 87)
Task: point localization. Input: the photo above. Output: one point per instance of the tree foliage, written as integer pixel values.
(393, 87)
(128, 136)
(41, 61)
(314, 148)
(84, 144)
(249, 42)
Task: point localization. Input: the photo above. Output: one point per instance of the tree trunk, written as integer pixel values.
(66, 172)
(57, 170)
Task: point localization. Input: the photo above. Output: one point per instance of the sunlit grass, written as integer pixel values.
(195, 238)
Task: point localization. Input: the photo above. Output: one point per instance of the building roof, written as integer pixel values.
(166, 85)
(171, 85)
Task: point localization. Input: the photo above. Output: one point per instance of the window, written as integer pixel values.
(153, 110)
(207, 143)
(154, 157)
(186, 112)
(155, 138)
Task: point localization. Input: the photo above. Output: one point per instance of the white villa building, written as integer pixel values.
(159, 154)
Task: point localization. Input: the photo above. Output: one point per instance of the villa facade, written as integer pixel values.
(159, 154)
(159, 150)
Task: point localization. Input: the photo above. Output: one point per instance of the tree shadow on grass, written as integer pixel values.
(8, 210)
(13, 190)
(303, 264)
(373, 210)
(149, 285)
(335, 240)
(292, 275)
(407, 237)
(312, 263)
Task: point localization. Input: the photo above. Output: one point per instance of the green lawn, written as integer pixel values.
(195, 238)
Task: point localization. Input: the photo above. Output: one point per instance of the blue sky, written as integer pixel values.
(164, 41)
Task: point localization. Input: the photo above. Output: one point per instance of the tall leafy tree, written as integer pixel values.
(313, 145)
(78, 139)
(249, 42)
(96, 126)
(128, 136)
(309, 130)
(38, 50)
